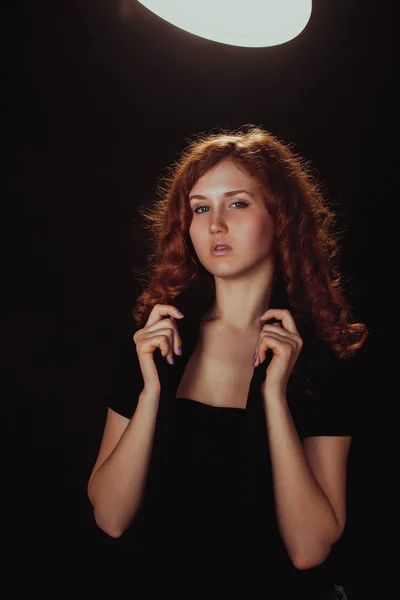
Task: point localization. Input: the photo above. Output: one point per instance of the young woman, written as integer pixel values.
(228, 429)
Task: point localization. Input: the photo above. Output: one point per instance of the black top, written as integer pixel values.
(209, 495)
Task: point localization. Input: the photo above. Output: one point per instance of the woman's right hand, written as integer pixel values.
(160, 333)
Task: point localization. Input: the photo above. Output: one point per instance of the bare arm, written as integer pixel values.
(118, 478)
(309, 487)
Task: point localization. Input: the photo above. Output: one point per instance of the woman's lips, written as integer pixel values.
(221, 252)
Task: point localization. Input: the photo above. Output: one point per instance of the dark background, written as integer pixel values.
(111, 95)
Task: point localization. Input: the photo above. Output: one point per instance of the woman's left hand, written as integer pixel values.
(286, 344)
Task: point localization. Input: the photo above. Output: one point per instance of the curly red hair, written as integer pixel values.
(307, 248)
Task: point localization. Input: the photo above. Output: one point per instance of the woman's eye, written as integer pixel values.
(238, 202)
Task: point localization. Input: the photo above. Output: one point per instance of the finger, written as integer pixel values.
(279, 345)
(161, 339)
(163, 310)
(283, 315)
(278, 329)
(176, 342)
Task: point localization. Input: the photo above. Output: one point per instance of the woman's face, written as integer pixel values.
(228, 207)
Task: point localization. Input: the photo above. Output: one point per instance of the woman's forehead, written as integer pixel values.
(226, 174)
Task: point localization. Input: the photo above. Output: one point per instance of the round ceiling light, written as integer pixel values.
(248, 23)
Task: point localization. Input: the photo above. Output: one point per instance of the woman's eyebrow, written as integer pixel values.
(226, 195)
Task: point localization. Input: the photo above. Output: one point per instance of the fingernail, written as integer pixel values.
(179, 350)
(171, 360)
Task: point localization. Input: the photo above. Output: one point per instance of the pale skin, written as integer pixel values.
(309, 476)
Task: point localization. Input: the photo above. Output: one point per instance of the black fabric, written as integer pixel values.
(329, 411)
(209, 494)
(126, 381)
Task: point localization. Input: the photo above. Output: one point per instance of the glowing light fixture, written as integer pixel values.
(249, 23)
